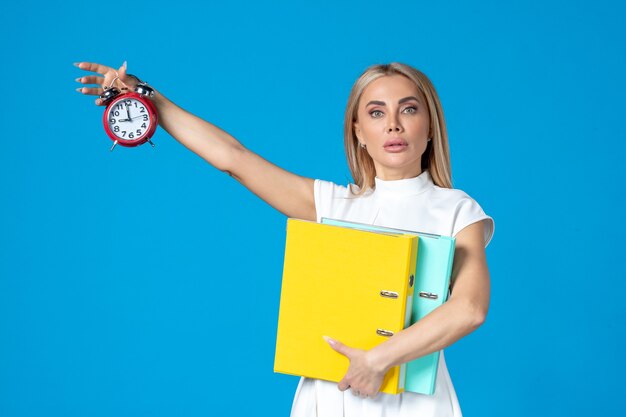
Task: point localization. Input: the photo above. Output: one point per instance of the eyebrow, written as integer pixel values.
(403, 100)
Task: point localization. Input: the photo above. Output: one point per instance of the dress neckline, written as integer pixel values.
(404, 187)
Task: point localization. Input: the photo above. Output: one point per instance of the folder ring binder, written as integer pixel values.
(429, 295)
(430, 283)
(383, 332)
(389, 294)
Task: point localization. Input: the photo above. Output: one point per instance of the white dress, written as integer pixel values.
(410, 204)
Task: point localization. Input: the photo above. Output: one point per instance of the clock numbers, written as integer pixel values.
(130, 115)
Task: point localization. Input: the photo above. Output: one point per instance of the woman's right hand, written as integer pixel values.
(289, 193)
(107, 77)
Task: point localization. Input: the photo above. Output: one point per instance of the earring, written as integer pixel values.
(363, 145)
(429, 139)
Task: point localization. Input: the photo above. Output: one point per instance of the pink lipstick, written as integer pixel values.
(395, 145)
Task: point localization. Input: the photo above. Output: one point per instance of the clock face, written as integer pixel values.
(129, 119)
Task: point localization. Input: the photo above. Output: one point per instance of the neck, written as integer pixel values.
(394, 175)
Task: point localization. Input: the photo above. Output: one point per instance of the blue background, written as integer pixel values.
(113, 266)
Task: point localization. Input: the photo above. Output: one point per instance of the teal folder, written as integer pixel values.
(432, 281)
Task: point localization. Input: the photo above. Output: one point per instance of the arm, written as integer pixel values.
(464, 312)
(288, 193)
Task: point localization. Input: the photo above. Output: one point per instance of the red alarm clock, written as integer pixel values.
(130, 119)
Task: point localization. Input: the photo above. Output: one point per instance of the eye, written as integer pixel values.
(410, 110)
(376, 113)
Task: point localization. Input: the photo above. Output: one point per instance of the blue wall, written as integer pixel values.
(112, 264)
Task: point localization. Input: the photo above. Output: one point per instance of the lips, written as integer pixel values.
(396, 144)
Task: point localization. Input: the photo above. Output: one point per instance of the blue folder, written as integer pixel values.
(432, 281)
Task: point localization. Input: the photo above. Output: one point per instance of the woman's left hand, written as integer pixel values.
(364, 376)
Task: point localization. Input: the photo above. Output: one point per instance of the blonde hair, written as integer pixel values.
(436, 157)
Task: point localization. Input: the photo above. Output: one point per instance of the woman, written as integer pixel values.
(397, 149)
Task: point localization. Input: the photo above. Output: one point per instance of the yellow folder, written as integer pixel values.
(352, 285)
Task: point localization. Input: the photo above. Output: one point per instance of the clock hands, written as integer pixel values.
(127, 113)
(128, 120)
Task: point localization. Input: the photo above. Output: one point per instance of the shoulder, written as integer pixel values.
(464, 210)
(451, 196)
(330, 189)
(327, 190)
(333, 200)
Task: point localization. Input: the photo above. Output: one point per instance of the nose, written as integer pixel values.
(393, 124)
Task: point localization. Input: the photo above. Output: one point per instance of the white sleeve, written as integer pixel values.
(323, 194)
(329, 198)
(468, 211)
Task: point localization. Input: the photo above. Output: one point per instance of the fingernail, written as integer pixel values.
(124, 64)
(329, 340)
(76, 64)
(80, 90)
(78, 79)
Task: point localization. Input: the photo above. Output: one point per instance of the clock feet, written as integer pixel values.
(113, 147)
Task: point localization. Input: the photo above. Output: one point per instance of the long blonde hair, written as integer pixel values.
(436, 157)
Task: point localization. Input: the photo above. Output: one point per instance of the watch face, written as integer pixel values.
(129, 119)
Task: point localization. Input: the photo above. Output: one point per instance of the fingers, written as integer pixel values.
(109, 75)
(363, 393)
(357, 393)
(90, 91)
(90, 79)
(107, 79)
(343, 385)
(358, 390)
(122, 71)
(338, 346)
(131, 82)
(93, 67)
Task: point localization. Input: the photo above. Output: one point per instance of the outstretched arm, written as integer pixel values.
(289, 193)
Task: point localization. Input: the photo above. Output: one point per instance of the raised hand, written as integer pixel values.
(293, 197)
(106, 77)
